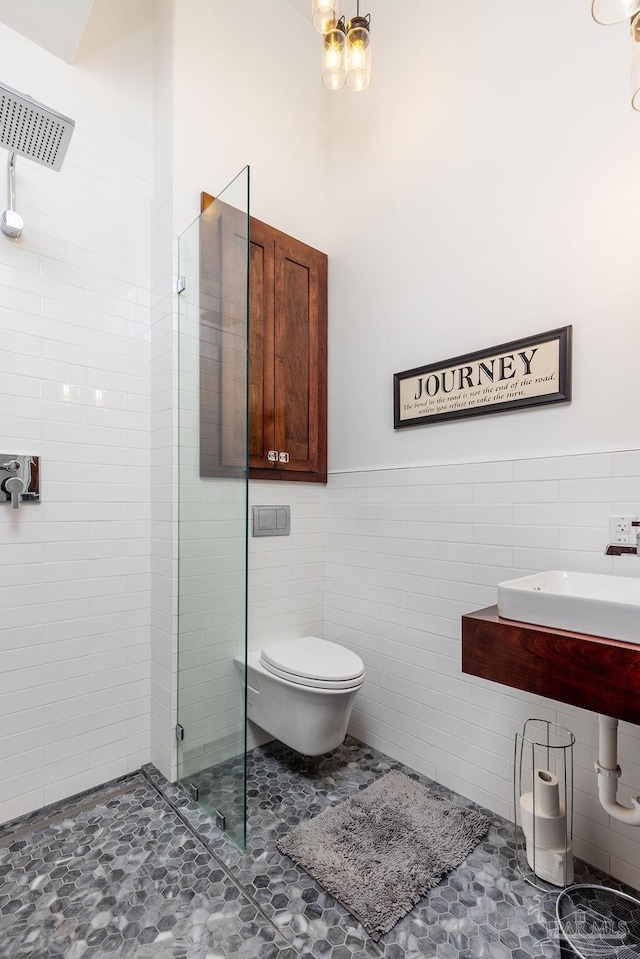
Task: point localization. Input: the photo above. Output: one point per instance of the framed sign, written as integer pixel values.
(533, 371)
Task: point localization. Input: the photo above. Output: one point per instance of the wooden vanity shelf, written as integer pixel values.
(602, 675)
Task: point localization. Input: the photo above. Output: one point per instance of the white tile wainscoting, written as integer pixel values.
(286, 573)
(408, 552)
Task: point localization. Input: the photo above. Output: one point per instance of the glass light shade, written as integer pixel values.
(358, 55)
(607, 12)
(333, 79)
(323, 13)
(333, 70)
(635, 63)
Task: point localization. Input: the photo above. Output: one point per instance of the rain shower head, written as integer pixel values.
(33, 130)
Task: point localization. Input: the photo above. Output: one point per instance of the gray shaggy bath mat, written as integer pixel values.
(379, 852)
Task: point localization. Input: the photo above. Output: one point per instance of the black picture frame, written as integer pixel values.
(476, 392)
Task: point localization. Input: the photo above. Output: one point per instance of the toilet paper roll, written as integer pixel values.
(549, 864)
(546, 791)
(550, 831)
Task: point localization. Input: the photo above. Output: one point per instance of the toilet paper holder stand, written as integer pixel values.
(543, 804)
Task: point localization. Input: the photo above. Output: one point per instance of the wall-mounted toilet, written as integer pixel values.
(302, 691)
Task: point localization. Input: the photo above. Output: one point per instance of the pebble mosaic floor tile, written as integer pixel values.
(122, 878)
(137, 870)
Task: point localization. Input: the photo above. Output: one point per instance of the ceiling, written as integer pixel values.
(56, 26)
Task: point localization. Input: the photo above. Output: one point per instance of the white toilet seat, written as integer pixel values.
(311, 661)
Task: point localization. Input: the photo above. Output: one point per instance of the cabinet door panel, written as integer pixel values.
(300, 352)
(295, 376)
(261, 346)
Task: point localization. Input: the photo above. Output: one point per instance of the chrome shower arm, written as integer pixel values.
(11, 181)
(11, 223)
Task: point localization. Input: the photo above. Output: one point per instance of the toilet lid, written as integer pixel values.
(311, 661)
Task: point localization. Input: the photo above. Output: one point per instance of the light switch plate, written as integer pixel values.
(270, 520)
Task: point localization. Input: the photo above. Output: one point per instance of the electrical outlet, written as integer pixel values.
(620, 530)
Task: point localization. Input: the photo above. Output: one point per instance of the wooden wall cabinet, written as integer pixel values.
(287, 356)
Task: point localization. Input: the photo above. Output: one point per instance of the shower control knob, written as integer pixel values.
(13, 486)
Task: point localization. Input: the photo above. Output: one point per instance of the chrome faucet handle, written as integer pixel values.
(14, 486)
(12, 466)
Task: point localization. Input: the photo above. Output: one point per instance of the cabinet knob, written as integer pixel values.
(275, 457)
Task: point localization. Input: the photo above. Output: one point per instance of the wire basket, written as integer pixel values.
(543, 804)
(599, 923)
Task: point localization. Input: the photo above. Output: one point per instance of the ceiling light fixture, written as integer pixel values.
(346, 47)
(608, 12)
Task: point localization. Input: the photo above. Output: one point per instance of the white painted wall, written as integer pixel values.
(493, 193)
(256, 103)
(74, 388)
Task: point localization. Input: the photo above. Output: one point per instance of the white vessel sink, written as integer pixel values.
(591, 603)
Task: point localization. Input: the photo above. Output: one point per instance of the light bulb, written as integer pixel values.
(333, 79)
(333, 71)
(358, 80)
(323, 12)
(333, 57)
(359, 54)
(357, 57)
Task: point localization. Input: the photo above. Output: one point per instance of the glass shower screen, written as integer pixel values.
(212, 507)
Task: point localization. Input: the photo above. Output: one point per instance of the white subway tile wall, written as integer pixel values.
(286, 573)
(74, 388)
(408, 552)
